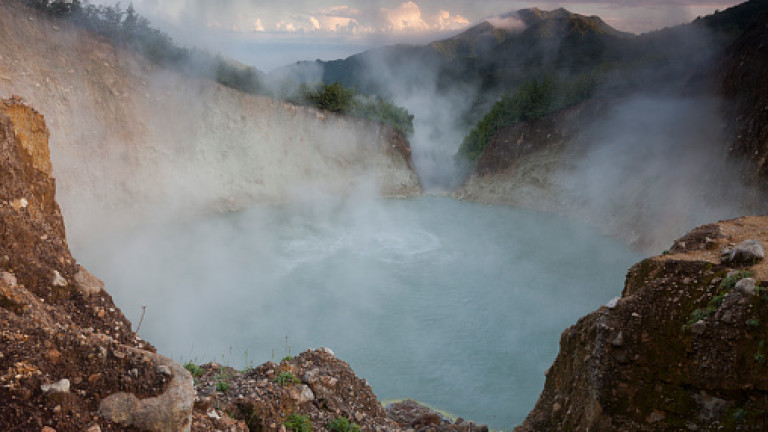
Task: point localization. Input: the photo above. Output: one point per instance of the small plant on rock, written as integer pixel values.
(342, 424)
(730, 281)
(753, 322)
(298, 423)
(194, 370)
(285, 378)
(759, 359)
(222, 386)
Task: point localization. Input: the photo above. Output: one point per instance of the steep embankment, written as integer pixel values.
(683, 349)
(130, 139)
(65, 348)
(746, 91)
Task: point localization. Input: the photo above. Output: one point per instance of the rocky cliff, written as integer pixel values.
(131, 140)
(742, 74)
(684, 348)
(65, 348)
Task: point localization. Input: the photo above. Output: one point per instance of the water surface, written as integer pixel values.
(455, 304)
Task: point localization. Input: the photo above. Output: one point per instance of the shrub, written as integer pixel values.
(342, 424)
(531, 100)
(298, 423)
(194, 370)
(285, 378)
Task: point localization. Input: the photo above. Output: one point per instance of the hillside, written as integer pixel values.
(130, 139)
(494, 55)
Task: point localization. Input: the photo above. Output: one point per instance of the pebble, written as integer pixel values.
(326, 350)
(612, 303)
(60, 386)
(746, 286)
(311, 376)
(618, 341)
(94, 428)
(699, 327)
(747, 251)
(302, 394)
(58, 280)
(8, 279)
(163, 370)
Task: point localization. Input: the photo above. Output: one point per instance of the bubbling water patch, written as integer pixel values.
(455, 304)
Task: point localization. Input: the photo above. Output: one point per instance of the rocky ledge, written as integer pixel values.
(684, 348)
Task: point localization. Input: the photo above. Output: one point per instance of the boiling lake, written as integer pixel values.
(454, 304)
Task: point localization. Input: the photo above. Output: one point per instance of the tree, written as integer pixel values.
(332, 97)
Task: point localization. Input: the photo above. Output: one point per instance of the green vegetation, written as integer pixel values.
(759, 359)
(222, 383)
(753, 322)
(285, 378)
(342, 424)
(730, 281)
(339, 99)
(739, 415)
(533, 99)
(194, 370)
(298, 423)
(286, 359)
(131, 30)
(714, 304)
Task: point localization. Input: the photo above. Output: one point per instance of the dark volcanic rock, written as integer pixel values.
(746, 90)
(692, 354)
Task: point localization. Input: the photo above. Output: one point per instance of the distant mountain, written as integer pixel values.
(483, 54)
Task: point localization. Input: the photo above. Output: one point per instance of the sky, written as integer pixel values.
(268, 34)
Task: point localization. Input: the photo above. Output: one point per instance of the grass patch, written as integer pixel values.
(298, 423)
(286, 378)
(194, 370)
(342, 424)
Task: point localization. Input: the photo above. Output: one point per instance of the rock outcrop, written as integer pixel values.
(744, 86)
(684, 348)
(132, 140)
(316, 388)
(64, 346)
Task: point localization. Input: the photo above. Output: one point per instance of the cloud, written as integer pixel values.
(408, 18)
(509, 23)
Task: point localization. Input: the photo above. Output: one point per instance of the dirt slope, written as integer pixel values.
(131, 140)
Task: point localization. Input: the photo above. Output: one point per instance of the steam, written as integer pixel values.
(439, 110)
(390, 285)
(653, 168)
(510, 23)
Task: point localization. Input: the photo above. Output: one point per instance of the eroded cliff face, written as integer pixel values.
(684, 348)
(64, 346)
(131, 140)
(746, 91)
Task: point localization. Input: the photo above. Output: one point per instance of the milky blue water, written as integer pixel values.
(454, 304)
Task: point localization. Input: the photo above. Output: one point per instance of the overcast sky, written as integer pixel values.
(273, 33)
